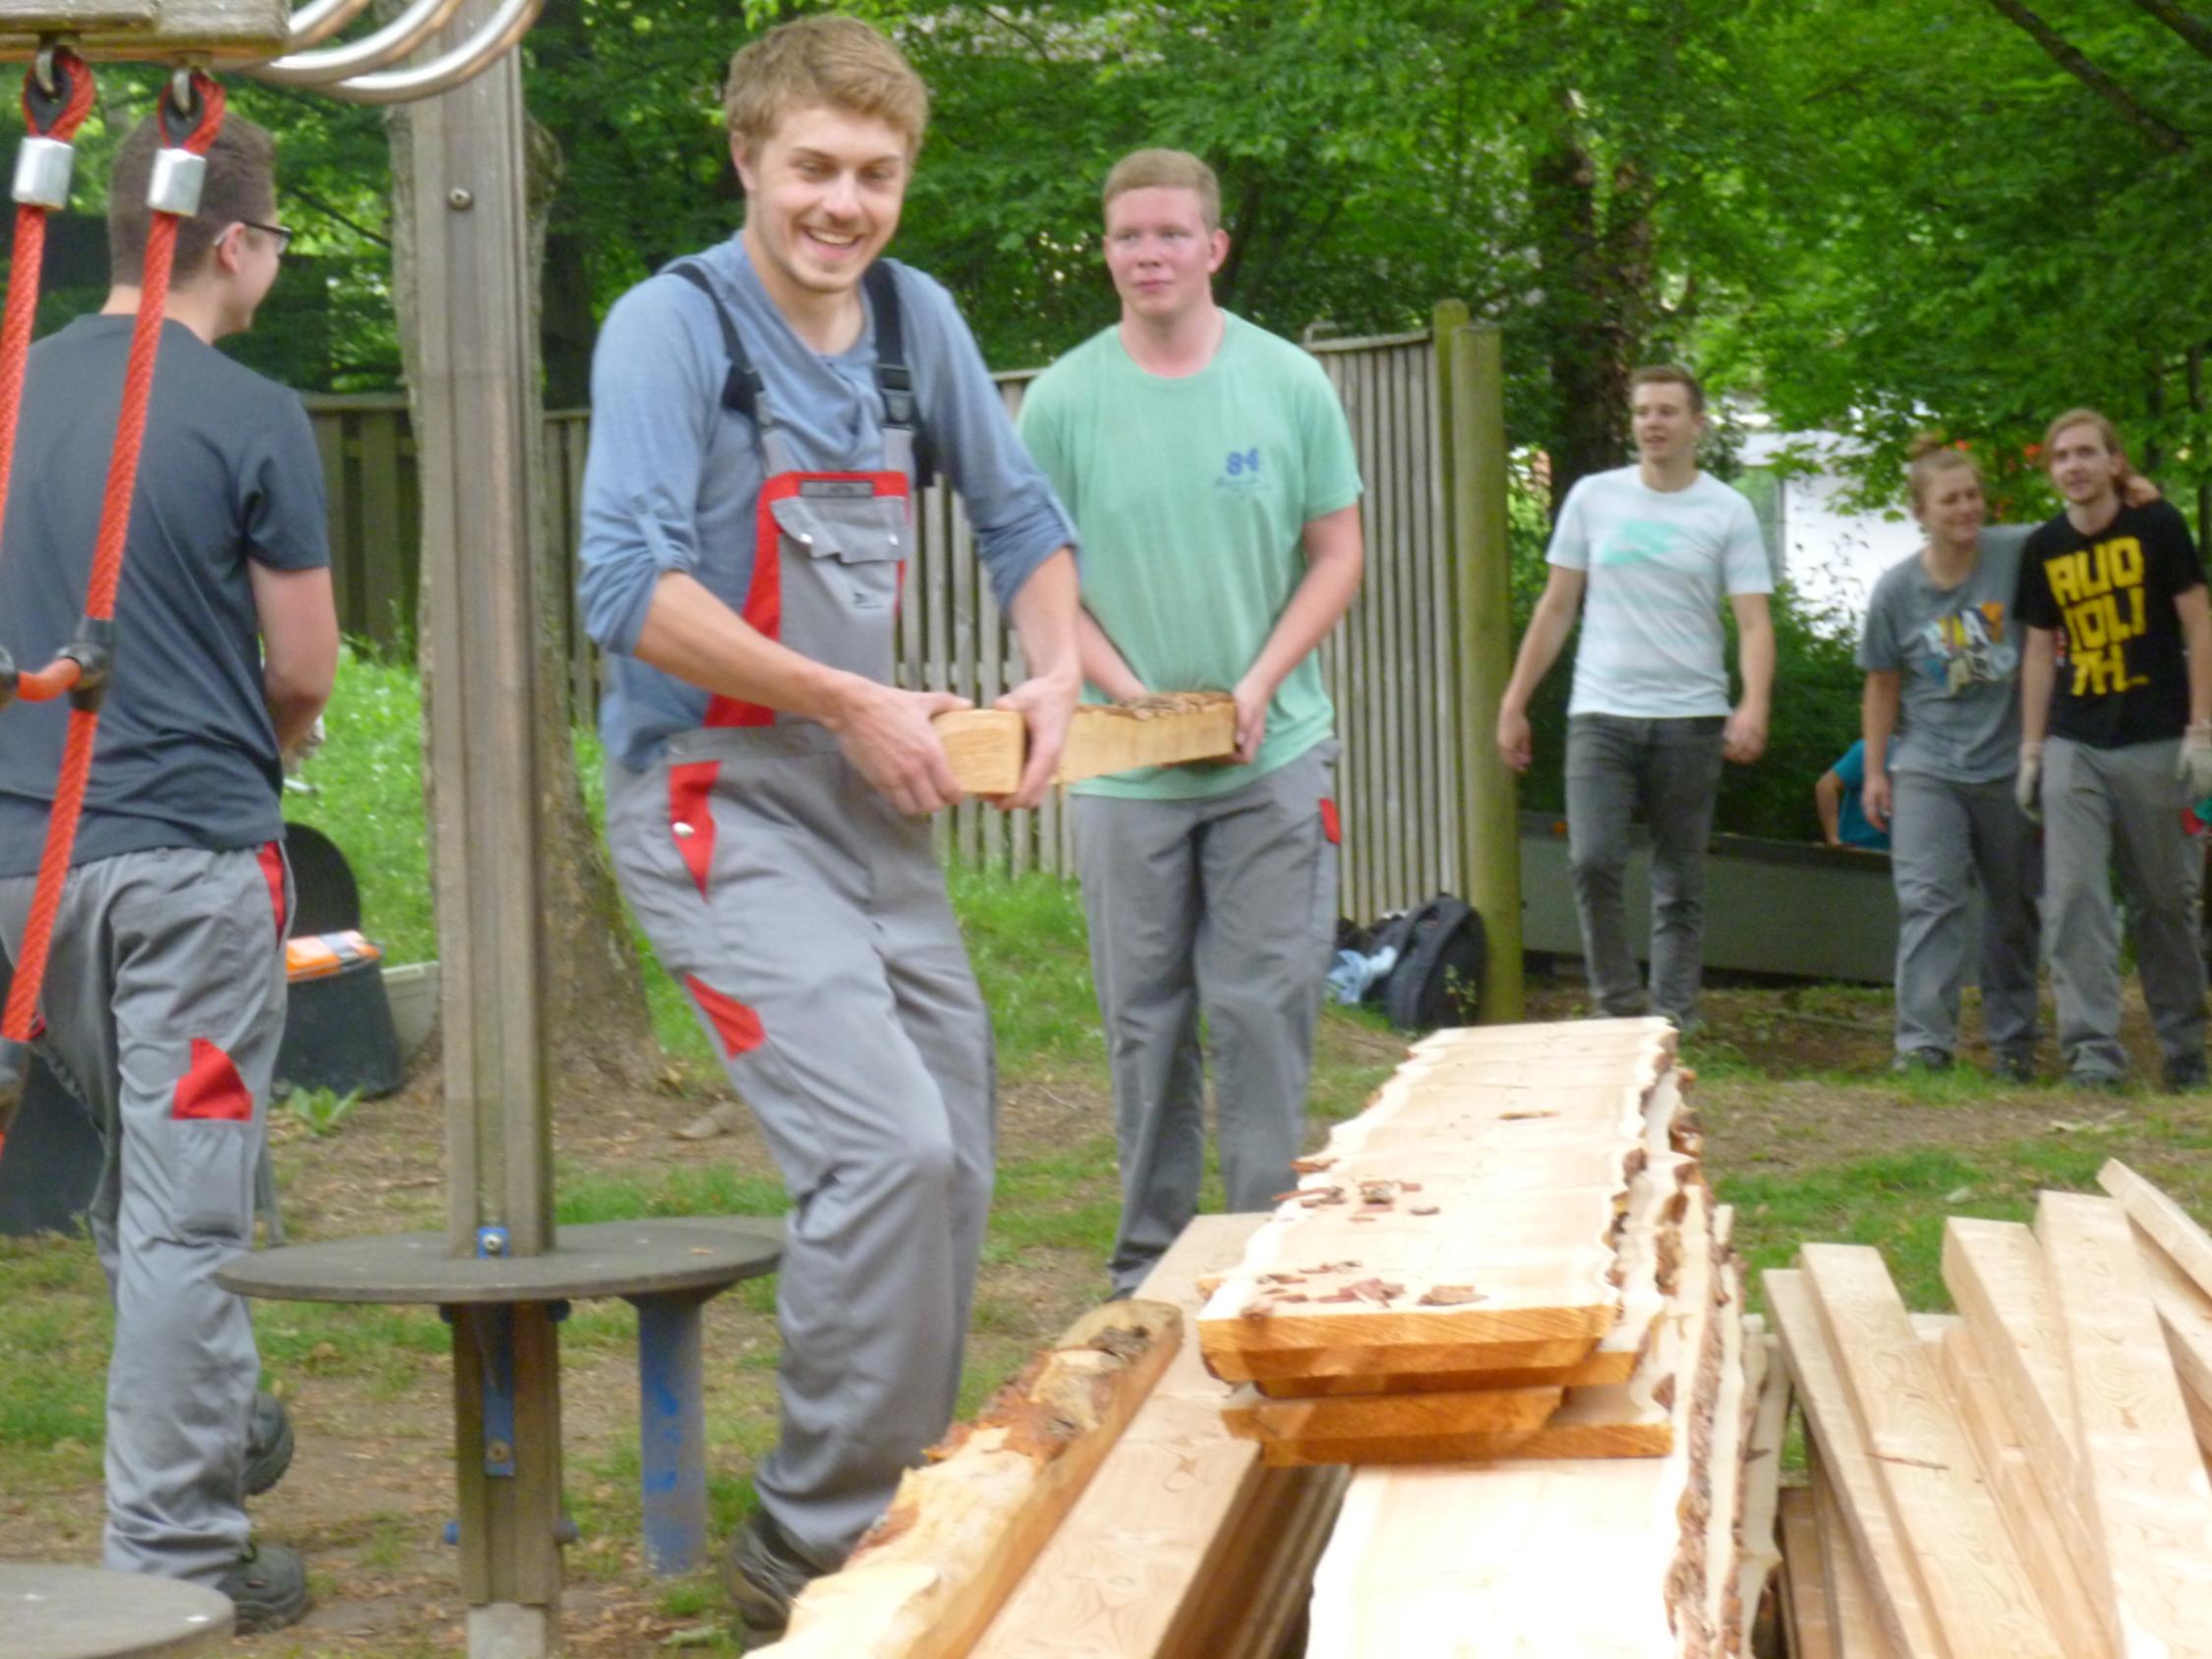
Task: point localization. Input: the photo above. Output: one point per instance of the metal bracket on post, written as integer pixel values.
(496, 1331)
(672, 1430)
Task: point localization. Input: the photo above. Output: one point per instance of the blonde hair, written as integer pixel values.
(1931, 458)
(840, 63)
(2082, 418)
(1165, 169)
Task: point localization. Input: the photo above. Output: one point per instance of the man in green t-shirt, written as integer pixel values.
(1211, 476)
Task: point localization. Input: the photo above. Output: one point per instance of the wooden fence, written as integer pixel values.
(1392, 667)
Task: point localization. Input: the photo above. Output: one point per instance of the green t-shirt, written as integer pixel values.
(1189, 498)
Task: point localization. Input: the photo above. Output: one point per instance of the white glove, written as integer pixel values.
(2194, 768)
(2027, 782)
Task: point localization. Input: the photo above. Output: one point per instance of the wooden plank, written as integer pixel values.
(1804, 1587)
(2184, 1313)
(959, 1533)
(1978, 1595)
(986, 746)
(2049, 1541)
(1249, 1612)
(1762, 1475)
(2168, 1225)
(1854, 1612)
(2142, 1483)
(1440, 1560)
(1994, 1272)
(137, 30)
(1896, 1595)
(1173, 1510)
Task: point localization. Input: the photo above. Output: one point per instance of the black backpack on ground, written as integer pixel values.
(1443, 954)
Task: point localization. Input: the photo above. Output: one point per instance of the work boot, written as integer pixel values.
(763, 1573)
(2185, 1075)
(268, 1443)
(1921, 1059)
(2014, 1067)
(267, 1588)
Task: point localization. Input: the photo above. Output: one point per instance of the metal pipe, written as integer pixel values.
(464, 63)
(317, 22)
(387, 45)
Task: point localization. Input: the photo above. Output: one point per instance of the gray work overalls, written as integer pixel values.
(807, 918)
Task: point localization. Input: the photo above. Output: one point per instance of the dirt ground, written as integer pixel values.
(371, 1490)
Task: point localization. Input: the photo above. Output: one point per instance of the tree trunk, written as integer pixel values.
(595, 1006)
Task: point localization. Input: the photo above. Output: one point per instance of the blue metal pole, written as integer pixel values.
(671, 1431)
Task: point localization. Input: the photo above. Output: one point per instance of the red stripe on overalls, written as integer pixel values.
(272, 860)
(212, 1089)
(764, 593)
(1332, 824)
(738, 1026)
(691, 818)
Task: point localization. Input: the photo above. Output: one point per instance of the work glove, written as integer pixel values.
(2027, 782)
(2194, 768)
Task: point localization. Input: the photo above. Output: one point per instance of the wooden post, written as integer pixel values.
(1470, 373)
(478, 458)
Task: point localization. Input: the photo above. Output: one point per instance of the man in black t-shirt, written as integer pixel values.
(2118, 671)
(163, 1002)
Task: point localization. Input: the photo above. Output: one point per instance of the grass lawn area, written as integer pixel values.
(1807, 1134)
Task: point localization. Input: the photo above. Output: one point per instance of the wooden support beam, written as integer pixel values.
(1994, 1272)
(987, 746)
(1971, 1582)
(1762, 1473)
(219, 31)
(2142, 1481)
(929, 1578)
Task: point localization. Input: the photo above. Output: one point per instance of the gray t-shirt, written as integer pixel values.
(229, 474)
(1957, 650)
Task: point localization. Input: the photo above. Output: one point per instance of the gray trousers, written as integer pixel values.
(2119, 807)
(808, 919)
(1669, 770)
(1225, 906)
(1940, 834)
(164, 1009)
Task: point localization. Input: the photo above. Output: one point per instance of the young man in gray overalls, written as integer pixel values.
(756, 411)
(163, 998)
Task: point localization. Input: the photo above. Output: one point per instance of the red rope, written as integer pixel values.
(107, 573)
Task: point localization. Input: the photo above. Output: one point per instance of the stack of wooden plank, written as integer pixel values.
(1510, 1253)
(2025, 1478)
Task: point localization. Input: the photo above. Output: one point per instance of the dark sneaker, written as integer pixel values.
(267, 1587)
(2182, 1075)
(1922, 1059)
(268, 1443)
(763, 1573)
(2014, 1068)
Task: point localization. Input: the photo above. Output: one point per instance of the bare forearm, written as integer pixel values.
(1877, 719)
(292, 709)
(1755, 658)
(1047, 619)
(1828, 801)
(2038, 674)
(2197, 629)
(1319, 603)
(691, 634)
(1103, 664)
(1541, 646)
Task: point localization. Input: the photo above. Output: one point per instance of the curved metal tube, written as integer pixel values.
(508, 24)
(387, 45)
(317, 22)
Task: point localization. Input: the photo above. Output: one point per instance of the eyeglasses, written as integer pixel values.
(282, 234)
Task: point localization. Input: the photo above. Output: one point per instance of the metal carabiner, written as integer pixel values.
(42, 66)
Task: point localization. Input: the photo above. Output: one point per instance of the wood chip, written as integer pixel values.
(1425, 1209)
(1451, 1295)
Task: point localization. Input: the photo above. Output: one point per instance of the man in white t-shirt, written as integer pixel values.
(1647, 552)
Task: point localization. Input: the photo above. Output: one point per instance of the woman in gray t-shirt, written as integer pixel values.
(1942, 647)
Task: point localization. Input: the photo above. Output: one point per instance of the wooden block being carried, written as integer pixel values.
(987, 746)
(929, 1577)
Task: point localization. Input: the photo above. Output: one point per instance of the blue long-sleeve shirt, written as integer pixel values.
(672, 476)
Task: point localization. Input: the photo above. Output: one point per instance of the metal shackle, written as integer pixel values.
(42, 172)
